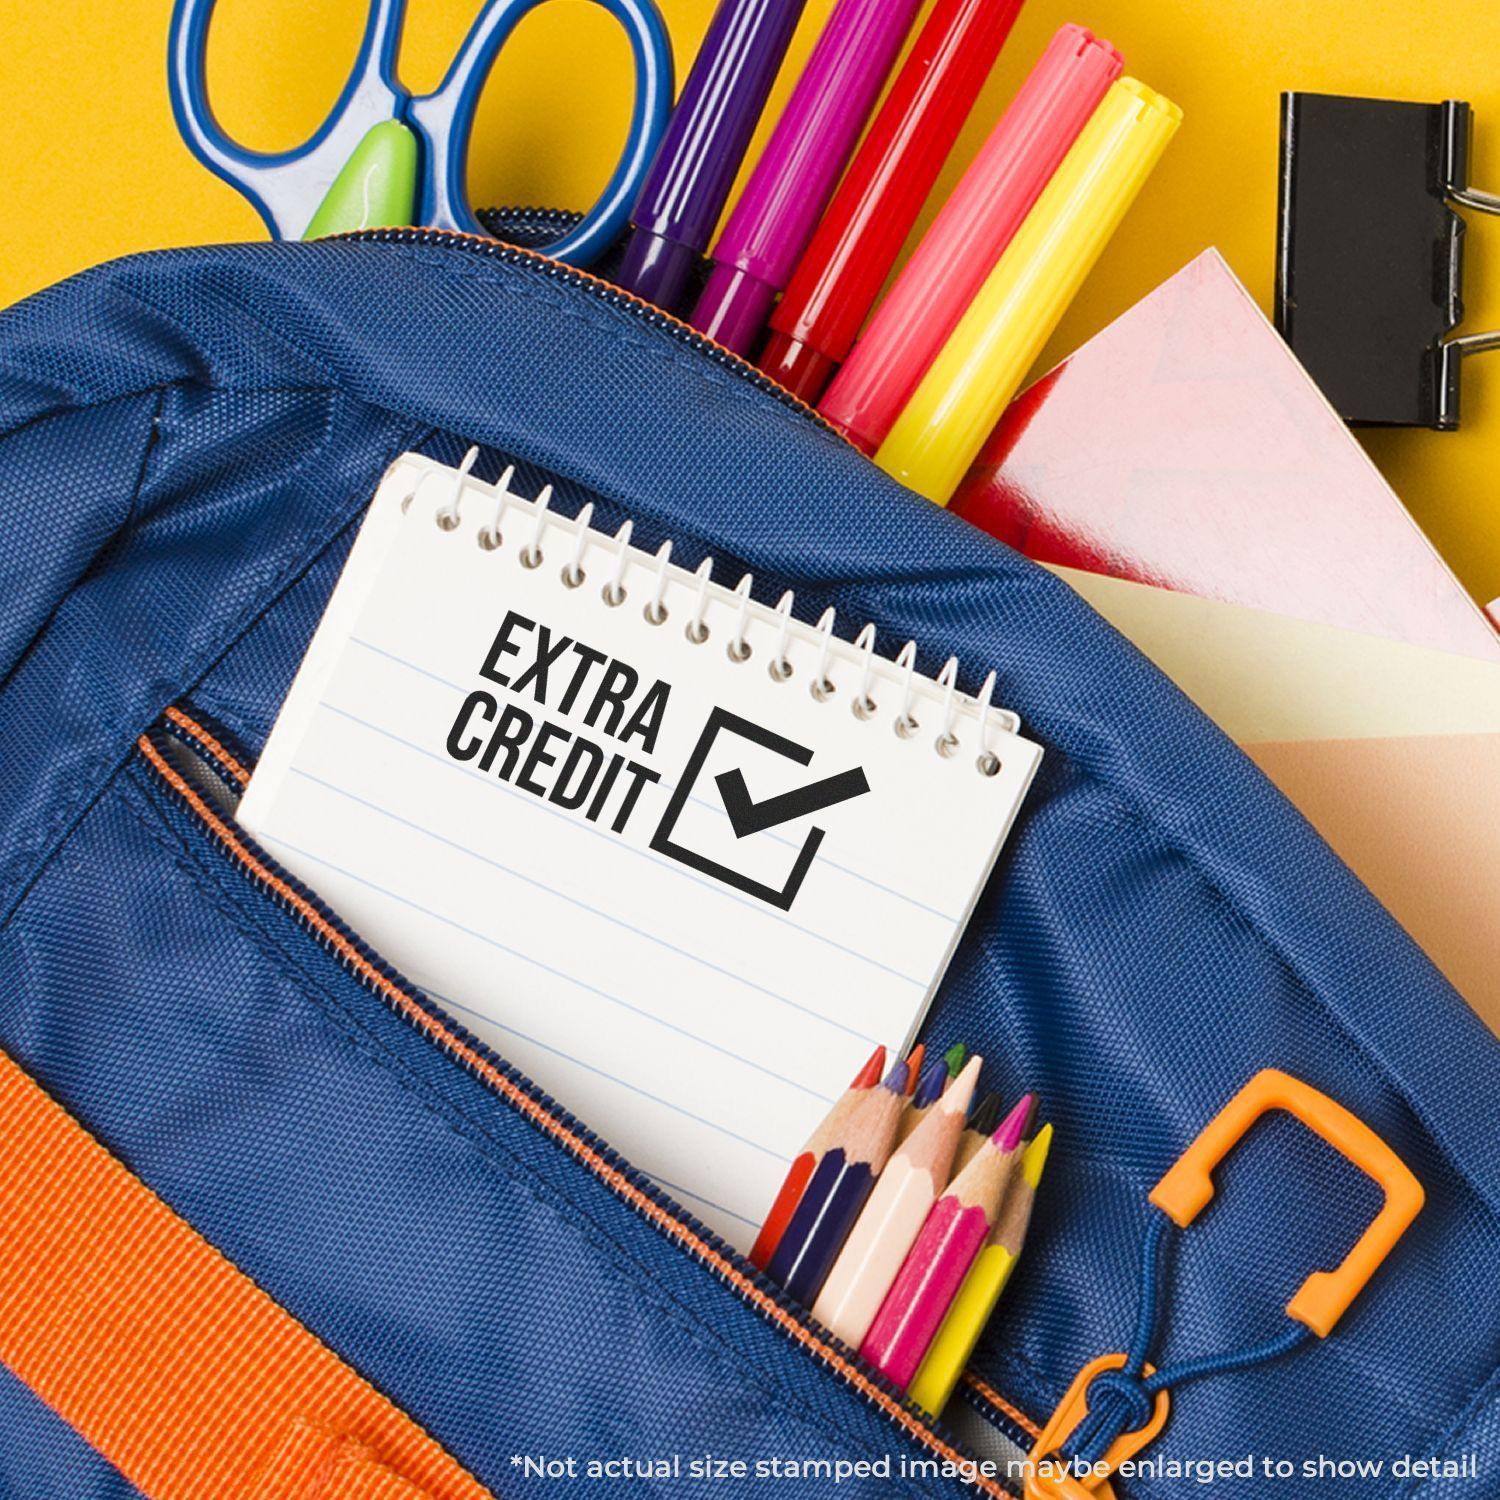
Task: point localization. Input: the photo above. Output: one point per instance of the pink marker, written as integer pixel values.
(953, 1235)
(968, 236)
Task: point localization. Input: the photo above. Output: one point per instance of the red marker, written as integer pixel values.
(846, 262)
(967, 237)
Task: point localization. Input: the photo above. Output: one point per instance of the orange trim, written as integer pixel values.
(316, 1463)
(162, 1355)
(999, 1402)
(239, 771)
(1044, 1481)
(611, 1176)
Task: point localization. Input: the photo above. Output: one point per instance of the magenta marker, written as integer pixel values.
(792, 181)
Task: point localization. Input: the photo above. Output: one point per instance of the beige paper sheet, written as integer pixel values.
(1263, 676)
(1391, 751)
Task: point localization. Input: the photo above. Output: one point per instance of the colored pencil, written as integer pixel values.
(894, 1216)
(955, 1057)
(914, 1066)
(801, 1170)
(983, 1285)
(981, 1127)
(838, 1189)
(928, 1091)
(947, 1246)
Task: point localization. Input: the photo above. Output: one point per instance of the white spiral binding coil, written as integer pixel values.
(744, 613)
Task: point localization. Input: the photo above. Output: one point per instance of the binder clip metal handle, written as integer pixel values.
(1457, 126)
(1369, 275)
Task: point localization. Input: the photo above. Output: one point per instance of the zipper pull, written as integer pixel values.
(1129, 1398)
(1051, 1476)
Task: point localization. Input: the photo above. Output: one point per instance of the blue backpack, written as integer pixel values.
(189, 439)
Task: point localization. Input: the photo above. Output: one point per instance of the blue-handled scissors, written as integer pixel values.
(289, 187)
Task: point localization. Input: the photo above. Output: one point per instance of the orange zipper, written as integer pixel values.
(747, 1285)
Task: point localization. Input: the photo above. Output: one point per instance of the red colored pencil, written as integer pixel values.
(806, 1161)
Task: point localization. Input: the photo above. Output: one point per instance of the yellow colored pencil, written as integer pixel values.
(976, 1299)
(953, 410)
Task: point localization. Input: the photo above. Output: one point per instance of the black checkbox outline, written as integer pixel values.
(661, 840)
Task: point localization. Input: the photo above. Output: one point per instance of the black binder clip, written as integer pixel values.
(1369, 253)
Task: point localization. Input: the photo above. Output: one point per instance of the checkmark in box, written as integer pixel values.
(748, 815)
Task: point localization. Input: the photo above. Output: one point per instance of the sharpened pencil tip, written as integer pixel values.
(914, 1065)
(869, 1075)
(1008, 1136)
(1034, 1158)
(895, 1080)
(961, 1091)
(954, 1057)
(986, 1114)
(931, 1084)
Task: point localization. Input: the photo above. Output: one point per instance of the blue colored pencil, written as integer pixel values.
(838, 1190)
(929, 1090)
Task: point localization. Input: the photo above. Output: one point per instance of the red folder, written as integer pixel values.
(1184, 446)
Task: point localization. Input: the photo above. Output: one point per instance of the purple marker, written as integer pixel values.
(700, 154)
(790, 186)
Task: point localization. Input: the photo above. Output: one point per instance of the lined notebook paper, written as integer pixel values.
(585, 805)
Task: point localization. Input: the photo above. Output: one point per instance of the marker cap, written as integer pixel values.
(969, 234)
(657, 268)
(733, 307)
(802, 369)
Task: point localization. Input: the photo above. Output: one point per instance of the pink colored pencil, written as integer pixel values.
(932, 1273)
(892, 1219)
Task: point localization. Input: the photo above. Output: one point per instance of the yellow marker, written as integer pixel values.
(981, 1288)
(951, 413)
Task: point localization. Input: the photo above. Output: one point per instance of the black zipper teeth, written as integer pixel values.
(545, 1102)
(647, 312)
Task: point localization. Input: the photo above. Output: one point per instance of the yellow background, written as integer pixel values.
(94, 166)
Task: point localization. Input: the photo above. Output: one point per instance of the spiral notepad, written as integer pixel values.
(680, 856)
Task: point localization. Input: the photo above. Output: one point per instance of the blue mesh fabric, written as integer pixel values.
(186, 443)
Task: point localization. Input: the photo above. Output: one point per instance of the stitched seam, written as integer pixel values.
(538, 1115)
(744, 372)
(428, 257)
(1452, 1435)
(517, 1173)
(95, 772)
(45, 624)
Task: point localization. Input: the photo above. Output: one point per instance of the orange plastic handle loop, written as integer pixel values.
(1093, 1484)
(1322, 1299)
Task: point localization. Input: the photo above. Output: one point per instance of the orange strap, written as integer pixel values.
(165, 1358)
